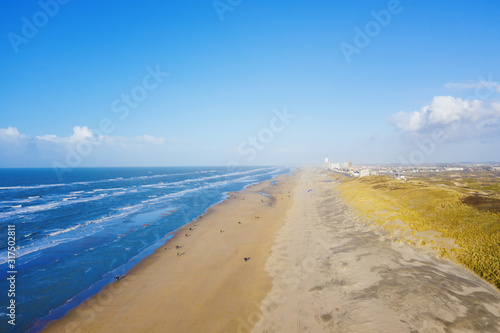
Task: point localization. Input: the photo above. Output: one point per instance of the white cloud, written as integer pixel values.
(151, 139)
(48, 137)
(411, 121)
(80, 134)
(82, 148)
(143, 140)
(446, 109)
(451, 114)
(11, 134)
(496, 108)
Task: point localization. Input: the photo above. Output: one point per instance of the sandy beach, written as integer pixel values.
(333, 273)
(313, 267)
(203, 286)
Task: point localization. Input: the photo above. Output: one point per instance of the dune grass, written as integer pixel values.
(454, 224)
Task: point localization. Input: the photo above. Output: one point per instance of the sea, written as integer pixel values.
(74, 235)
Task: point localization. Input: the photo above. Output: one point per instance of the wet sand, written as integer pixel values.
(333, 273)
(208, 287)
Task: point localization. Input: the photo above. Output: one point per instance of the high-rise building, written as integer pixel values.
(350, 164)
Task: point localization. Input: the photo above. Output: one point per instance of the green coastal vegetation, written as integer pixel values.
(456, 215)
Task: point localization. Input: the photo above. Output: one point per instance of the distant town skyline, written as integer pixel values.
(248, 83)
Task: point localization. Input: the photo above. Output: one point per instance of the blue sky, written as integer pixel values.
(140, 83)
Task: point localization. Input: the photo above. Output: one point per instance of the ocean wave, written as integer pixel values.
(210, 185)
(182, 193)
(19, 200)
(34, 248)
(71, 200)
(31, 187)
(62, 231)
(51, 239)
(65, 201)
(47, 206)
(129, 207)
(200, 179)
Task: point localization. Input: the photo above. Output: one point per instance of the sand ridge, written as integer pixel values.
(205, 285)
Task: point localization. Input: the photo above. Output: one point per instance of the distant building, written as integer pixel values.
(350, 164)
(364, 172)
(367, 172)
(454, 169)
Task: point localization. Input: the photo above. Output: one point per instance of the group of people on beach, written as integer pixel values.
(188, 235)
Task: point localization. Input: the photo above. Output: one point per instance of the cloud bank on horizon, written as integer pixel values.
(82, 148)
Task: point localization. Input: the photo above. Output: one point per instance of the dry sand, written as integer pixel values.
(209, 288)
(332, 273)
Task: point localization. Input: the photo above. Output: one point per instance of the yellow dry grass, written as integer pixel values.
(429, 215)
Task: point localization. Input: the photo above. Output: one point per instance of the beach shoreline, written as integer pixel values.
(206, 283)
